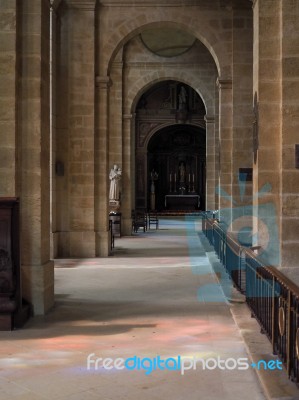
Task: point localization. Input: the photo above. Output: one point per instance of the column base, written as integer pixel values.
(76, 244)
(126, 227)
(38, 286)
(103, 248)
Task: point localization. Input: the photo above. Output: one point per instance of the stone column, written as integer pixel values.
(267, 86)
(116, 108)
(75, 133)
(210, 163)
(34, 124)
(9, 73)
(242, 158)
(128, 180)
(290, 135)
(226, 149)
(101, 166)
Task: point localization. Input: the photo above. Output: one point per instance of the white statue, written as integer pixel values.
(115, 177)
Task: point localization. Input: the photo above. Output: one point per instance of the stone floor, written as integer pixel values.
(157, 296)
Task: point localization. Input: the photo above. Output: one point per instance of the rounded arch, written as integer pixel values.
(142, 84)
(202, 31)
(158, 128)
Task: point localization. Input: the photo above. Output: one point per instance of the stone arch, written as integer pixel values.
(130, 28)
(160, 127)
(144, 83)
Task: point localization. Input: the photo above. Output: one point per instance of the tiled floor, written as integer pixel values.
(157, 296)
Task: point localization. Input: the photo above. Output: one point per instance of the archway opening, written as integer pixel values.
(170, 148)
(177, 155)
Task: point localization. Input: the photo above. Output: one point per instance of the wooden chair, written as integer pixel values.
(139, 220)
(153, 220)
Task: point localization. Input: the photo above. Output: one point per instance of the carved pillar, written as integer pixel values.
(101, 166)
(210, 163)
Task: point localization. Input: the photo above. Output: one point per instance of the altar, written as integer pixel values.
(182, 202)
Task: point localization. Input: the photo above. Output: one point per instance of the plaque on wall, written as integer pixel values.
(245, 174)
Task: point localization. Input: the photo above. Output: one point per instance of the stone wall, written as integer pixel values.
(9, 75)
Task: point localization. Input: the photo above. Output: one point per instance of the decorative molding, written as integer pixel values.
(55, 4)
(127, 116)
(147, 64)
(224, 83)
(253, 3)
(147, 3)
(103, 82)
(209, 120)
(87, 5)
(117, 65)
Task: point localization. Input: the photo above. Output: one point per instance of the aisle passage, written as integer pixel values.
(157, 296)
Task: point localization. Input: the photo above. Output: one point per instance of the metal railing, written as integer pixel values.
(271, 296)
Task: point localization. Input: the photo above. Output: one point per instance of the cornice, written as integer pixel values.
(103, 82)
(209, 120)
(148, 3)
(88, 5)
(55, 4)
(224, 83)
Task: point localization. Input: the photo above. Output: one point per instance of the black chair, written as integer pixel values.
(139, 220)
(153, 220)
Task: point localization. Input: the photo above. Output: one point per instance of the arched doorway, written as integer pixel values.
(177, 154)
(170, 137)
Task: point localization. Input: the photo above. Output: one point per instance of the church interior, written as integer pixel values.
(115, 114)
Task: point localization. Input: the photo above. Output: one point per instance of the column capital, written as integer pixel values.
(128, 116)
(253, 3)
(209, 119)
(55, 4)
(103, 82)
(224, 83)
(88, 5)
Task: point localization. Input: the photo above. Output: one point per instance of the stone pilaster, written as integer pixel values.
(128, 179)
(289, 135)
(37, 269)
(75, 133)
(267, 86)
(211, 182)
(226, 148)
(101, 165)
(9, 72)
(116, 108)
(242, 93)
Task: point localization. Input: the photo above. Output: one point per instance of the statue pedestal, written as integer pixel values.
(114, 205)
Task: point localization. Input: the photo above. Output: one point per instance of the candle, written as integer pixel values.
(170, 177)
(189, 178)
(175, 177)
(193, 178)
